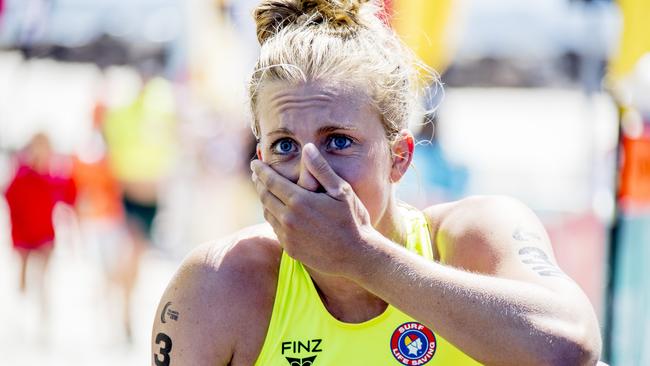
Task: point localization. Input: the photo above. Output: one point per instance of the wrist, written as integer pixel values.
(368, 251)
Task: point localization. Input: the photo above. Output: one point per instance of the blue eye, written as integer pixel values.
(284, 146)
(339, 142)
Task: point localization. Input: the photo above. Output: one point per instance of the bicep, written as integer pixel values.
(500, 237)
(524, 252)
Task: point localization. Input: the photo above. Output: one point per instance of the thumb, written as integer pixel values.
(322, 171)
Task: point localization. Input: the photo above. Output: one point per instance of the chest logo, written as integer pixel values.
(413, 344)
(301, 361)
(298, 347)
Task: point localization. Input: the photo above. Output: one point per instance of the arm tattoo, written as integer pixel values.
(522, 235)
(539, 262)
(168, 313)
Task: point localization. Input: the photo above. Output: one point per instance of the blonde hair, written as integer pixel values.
(341, 42)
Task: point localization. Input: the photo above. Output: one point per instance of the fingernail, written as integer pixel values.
(253, 177)
(311, 151)
(252, 164)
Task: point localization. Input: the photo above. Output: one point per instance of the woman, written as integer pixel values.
(343, 274)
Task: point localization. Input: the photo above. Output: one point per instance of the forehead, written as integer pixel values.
(312, 105)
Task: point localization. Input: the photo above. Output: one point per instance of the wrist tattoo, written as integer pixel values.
(539, 262)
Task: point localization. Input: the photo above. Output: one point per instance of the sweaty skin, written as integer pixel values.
(326, 183)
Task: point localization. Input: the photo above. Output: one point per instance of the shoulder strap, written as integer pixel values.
(418, 235)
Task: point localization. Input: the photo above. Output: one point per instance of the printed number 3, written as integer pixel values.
(164, 351)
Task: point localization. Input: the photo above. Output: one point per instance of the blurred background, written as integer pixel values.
(126, 121)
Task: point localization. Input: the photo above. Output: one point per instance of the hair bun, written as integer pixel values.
(273, 15)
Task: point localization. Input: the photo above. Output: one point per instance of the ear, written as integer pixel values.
(258, 150)
(402, 155)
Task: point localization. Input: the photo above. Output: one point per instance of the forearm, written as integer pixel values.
(497, 321)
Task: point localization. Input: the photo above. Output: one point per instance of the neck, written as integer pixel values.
(343, 298)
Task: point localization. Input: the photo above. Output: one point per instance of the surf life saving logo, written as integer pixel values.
(413, 344)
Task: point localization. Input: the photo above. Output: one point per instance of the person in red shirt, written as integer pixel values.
(32, 196)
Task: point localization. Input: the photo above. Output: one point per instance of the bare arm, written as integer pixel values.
(507, 303)
(184, 332)
(218, 290)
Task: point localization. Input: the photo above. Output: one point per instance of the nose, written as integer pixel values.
(305, 179)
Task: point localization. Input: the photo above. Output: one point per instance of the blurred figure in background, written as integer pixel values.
(141, 140)
(102, 219)
(32, 196)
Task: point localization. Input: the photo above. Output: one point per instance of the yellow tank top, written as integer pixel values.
(303, 333)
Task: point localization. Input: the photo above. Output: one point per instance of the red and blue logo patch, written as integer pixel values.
(413, 344)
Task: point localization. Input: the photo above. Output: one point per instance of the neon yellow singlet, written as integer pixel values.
(303, 333)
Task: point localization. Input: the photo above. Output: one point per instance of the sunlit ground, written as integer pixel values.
(84, 326)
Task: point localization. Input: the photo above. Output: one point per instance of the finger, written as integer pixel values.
(268, 199)
(322, 171)
(280, 186)
(273, 221)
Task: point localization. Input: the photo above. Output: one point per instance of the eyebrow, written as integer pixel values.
(321, 131)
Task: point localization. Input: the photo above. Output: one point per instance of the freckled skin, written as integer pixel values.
(303, 110)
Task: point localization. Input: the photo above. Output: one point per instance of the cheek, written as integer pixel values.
(288, 169)
(374, 198)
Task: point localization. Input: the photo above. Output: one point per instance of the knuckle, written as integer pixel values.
(270, 183)
(289, 221)
(260, 176)
(265, 197)
(321, 165)
(296, 201)
(346, 188)
(259, 187)
(343, 190)
(267, 215)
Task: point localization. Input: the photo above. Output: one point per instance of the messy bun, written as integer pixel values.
(341, 42)
(271, 16)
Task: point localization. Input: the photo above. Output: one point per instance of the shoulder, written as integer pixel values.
(477, 233)
(246, 252)
(219, 288)
(477, 210)
(242, 258)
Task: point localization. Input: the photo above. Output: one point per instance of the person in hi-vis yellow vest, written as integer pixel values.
(342, 273)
